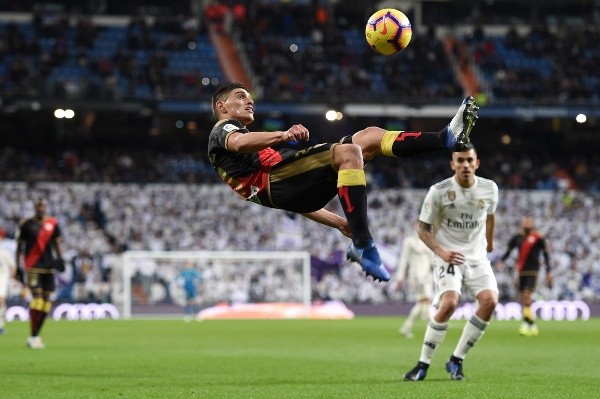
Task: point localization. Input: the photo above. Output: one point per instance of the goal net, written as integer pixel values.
(156, 282)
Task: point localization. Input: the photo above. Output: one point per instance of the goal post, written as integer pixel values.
(233, 266)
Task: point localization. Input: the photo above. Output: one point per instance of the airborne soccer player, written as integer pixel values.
(305, 181)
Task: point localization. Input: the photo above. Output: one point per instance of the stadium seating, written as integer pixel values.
(103, 219)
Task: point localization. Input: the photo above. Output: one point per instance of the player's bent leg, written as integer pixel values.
(368, 139)
(352, 187)
(488, 300)
(392, 143)
(446, 307)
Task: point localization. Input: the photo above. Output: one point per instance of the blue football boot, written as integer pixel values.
(455, 370)
(418, 373)
(369, 260)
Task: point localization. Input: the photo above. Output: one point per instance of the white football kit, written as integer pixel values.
(418, 259)
(458, 216)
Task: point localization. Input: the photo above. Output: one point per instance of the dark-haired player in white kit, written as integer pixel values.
(462, 210)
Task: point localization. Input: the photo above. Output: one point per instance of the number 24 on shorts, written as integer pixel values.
(444, 270)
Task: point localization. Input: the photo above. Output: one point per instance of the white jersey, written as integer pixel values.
(459, 214)
(417, 257)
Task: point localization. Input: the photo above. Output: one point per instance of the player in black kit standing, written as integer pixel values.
(39, 253)
(531, 244)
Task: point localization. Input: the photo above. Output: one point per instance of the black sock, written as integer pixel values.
(354, 204)
(409, 144)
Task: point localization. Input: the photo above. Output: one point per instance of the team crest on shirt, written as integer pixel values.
(427, 207)
(481, 204)
(451, 195)
(230, 128)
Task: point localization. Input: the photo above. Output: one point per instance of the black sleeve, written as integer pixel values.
(511, 245)
(545, 253)
(19, 275)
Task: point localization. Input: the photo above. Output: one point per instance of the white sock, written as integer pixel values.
(412, 316)
(434, 335)
(472, 332)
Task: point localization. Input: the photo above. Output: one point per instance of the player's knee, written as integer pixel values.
(488, 303)
(348, 155)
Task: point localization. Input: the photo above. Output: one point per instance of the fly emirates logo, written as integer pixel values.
(466, 222)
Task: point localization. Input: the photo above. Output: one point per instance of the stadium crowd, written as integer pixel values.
(102, 220)
(511, 170)
(322, 57)
(109, 200)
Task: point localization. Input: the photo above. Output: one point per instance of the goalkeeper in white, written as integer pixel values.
(462, 207)
(417, 259)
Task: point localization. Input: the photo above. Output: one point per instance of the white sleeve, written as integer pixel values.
(494, 204)
(429, 208)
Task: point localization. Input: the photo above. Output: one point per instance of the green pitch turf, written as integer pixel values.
(360, 358)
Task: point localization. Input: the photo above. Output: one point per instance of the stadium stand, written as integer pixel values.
(131, 172)
(101, 220)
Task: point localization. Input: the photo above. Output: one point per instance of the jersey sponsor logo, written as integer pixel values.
(462, 224)
(230, 128)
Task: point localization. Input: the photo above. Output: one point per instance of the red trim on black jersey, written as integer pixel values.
(43, 238)
(528, 243)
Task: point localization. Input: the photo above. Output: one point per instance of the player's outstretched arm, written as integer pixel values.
(330, 219)
(256, 141)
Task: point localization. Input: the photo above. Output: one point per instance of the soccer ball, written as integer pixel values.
(388, 31)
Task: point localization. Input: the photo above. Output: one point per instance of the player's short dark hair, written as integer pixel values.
(467, 147)
(222, 92)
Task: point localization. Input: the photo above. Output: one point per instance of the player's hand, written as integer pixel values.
(296, 133)
(452, 257)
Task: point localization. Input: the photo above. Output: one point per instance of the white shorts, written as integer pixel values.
(422, 289)
(474, 275)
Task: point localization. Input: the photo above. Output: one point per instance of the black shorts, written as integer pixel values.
(527, 282)
(306, 182)
(41, 280)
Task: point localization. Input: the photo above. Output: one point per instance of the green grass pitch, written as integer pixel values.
(264, 359)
